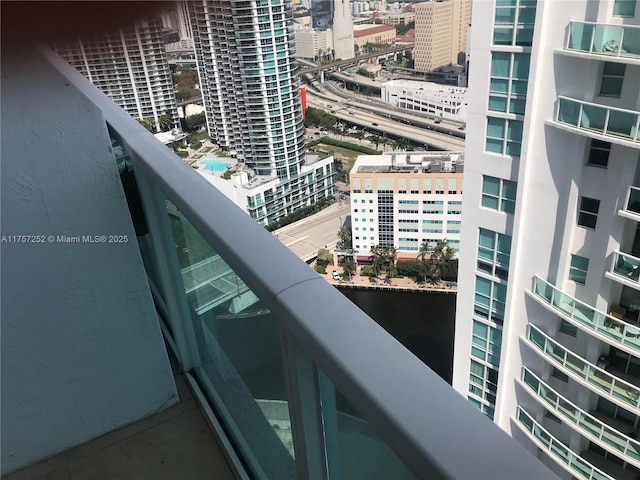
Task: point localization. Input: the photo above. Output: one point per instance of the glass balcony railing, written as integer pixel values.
(558, 451)
(631, 207)
(304, 383)
(626, 267)
(615, 123)
(602, 39)
(588, 425)
(596, 379)
(611, 329)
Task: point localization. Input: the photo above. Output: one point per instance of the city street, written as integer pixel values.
(320, 230)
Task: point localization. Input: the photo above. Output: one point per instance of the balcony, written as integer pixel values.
(587, 425)
(631, 207)
(615, 125)
(303, 383)
(605, 42)
(556, 450)
(607, 328)
(625, 269)
(594, 378)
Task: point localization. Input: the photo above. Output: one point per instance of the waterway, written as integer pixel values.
(423, 322)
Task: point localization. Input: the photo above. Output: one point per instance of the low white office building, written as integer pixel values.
(441, 100)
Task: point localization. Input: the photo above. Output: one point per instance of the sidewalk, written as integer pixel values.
(402, 283)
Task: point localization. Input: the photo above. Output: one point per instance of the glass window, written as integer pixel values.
(503, 136)
(498, 194)
(625, 8)
(490, 297)
(568, 328)
(612, 78)
(599, 153)
(588, 212)
(578, 269)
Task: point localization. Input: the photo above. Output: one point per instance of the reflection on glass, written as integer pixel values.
(237, 340)
(354, 450)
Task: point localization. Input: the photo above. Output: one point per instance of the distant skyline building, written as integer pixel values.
(547, 334)
(404, 199)
(130, 67)
(178, 19)
(441, 33)
(334, 15)
(248, 77)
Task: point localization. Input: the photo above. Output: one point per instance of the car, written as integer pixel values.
(374, 124)
(438, 121)
(335, 275)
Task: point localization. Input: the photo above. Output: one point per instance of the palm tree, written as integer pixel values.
(423, 250)
(344, 234)
(165, 121)
(377, 258)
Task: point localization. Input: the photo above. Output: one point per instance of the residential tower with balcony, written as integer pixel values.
(547, 330)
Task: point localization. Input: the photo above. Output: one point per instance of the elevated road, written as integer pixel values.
(351, 61)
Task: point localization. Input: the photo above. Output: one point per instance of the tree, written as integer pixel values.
(344, 234)
(359, 135)
(165, 121)
(148, 124)
(325, 257)
(377, 259)
(193, 123)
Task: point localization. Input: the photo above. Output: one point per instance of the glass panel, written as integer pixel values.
(502, 36)
(593, 117)
(494, 145)
(627, 266)
(354, 450)
(606, 39)
(505, 16)
(490, 202)
(524, 37)
(499, 85)
(580, 36)
(497, 104)
(495, 127)
(526, 16)
(621, 123)
(519, 87)
(491, 186)
(517, 106)
(633, 205)
(630, 42)
(247, 385)
(624, 7)
(568, 112)
(500, 64)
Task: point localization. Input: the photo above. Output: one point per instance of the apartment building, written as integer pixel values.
(404, 199)
(441, 33)
(547, 334)
(248, 76)
(130, 66)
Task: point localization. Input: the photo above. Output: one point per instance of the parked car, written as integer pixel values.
(335, 275)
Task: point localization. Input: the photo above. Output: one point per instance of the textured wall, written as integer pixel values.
(82, 351)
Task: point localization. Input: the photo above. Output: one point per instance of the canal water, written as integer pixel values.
(423, 322)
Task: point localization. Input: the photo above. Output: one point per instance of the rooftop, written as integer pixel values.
(364, 30)
(410, 162)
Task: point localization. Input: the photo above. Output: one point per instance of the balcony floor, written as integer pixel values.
(174, 444)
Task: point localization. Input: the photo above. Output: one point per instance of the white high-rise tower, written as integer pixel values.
(547, 334)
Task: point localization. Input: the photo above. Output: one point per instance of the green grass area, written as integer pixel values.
(347, 156)
(201, 136)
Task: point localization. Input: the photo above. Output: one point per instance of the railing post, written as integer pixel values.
(166, 262)
(305, 410)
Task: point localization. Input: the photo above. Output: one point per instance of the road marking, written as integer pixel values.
(296, 241)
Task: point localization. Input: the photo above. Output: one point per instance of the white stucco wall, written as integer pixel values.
(82, 351)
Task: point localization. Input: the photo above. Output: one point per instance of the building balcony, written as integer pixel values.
(615, 125)
(584, 423)
(631, 207)
(607, 328)
(591, 376)
(298, 380)
(556, 450)
(625, 269)
(604, 42)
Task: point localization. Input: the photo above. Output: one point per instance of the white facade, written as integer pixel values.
(130, 67)
(441, 100)
(314, 44)
(248, 76)
(404, 199)
(334, 15)
(547, 335)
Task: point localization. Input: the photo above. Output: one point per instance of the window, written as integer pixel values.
(626, 8)
(494, 250)
(508, 87)
(513, 22)
(578, 269)
(599, 153)
(498, 194)
(483, 382)
(588, 213)
(568, 328)
(486, 343)
(504, 136)
(612, 77)
(490, 298)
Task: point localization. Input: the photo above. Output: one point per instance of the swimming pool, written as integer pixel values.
(214, 164)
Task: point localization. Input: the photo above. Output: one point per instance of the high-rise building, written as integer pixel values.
(405, 199)
(547, 334)
(130, 66)
(248, 76)
(441, 33)
(177, 19)
(334, 15)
